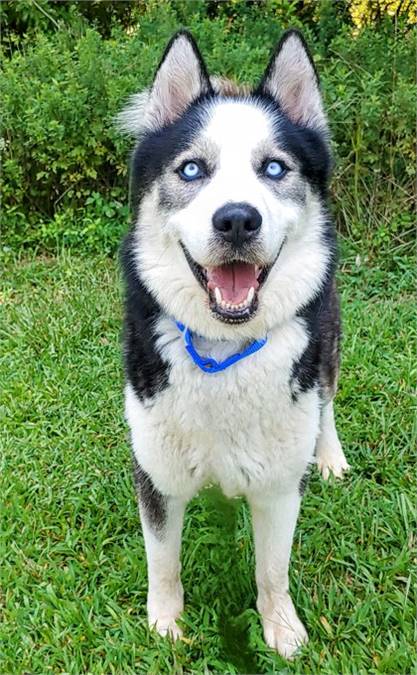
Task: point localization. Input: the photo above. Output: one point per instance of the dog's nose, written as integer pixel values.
(237, 222)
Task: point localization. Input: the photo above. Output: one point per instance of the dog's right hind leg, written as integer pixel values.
(162, 519)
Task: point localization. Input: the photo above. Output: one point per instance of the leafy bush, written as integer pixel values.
(65, 165)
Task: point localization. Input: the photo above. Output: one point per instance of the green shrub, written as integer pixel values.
(370, 94)
(65, 165)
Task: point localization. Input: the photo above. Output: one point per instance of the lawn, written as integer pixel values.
(73, 571)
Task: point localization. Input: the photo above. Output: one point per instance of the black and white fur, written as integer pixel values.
(255, 428)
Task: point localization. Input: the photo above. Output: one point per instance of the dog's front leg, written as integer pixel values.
(274, 519)
(162, 519)
(165, 592)
(329, 453)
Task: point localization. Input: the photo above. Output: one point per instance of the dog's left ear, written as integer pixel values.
(292, 81)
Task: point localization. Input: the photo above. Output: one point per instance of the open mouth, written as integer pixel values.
(232, 288)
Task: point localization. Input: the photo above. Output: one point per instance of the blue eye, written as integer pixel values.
(190, 171)
(275, 169)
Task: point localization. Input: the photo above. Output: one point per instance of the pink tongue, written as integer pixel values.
(234, 280)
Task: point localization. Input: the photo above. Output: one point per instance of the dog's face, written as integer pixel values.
(230, 223)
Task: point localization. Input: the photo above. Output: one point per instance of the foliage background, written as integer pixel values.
(70, 66)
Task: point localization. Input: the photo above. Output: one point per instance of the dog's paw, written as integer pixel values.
(332, 460)
(167, 627)
(164, 609)
(283, 630)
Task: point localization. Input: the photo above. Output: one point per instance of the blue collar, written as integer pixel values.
(209, 365)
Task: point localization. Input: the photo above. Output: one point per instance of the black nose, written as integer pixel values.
(237, 222)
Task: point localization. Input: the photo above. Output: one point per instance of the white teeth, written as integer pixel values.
(231, 306)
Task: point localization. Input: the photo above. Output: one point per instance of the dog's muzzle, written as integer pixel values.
(232, 288)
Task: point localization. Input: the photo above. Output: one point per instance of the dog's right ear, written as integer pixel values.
(180, 79)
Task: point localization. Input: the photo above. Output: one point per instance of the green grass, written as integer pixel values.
(72, 557)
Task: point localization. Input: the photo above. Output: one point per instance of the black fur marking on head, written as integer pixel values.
(158, 149)
(311, 149)
(309, 146)
(306, 139)
(152, 502)
(145, 369)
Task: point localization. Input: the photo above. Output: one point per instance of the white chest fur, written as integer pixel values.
(239, 428)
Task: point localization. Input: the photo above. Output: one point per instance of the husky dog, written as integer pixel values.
(231, 317)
